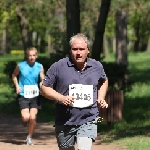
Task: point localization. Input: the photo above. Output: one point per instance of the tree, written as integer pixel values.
(24, 27)
(4, 34)
(73, 17)
(98, 42)
(121, 37)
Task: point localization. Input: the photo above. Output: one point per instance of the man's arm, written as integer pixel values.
(102, 90)
(15, 80)
(51, 94)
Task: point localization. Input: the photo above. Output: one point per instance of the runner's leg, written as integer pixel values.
(25, 115)
(32, 122)
(84, 143)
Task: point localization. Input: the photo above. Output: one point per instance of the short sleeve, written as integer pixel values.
(50, 77)
(103, 76)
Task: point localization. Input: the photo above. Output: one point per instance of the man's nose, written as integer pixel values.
(78, 51)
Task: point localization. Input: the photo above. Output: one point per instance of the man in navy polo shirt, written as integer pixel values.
(78, 84)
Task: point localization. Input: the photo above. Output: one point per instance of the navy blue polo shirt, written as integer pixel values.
(63, 73)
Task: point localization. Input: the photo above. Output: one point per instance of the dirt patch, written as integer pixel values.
(13, 135)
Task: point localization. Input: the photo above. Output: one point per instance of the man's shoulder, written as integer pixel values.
(94, 62)
(38, 63)
(61, 61)
(22, 63)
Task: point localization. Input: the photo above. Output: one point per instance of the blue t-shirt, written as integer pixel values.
(28, 75)
(64, 73)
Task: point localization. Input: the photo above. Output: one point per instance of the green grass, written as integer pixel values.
(132, 133)
(134, 130)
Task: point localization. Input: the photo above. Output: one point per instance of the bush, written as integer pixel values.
(9, 68)
(47, 62)
(116, 75)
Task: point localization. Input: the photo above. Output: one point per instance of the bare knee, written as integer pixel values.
(25, 114)
(25, 118)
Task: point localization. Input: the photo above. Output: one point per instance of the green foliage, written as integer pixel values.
(110, 25)
(137, 16)
(47, 113)
(88, 20)
(49, 17)
(47, 62)
(8, 103)
(9, 68)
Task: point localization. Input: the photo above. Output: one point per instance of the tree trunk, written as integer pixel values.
(50, 46)
(73, 18)
(4, 42)
(24, 27)
(114, 44)
(121, 37)
(8, 41)
(42, 48)
(106, 49)
(148, 44)
(137, 42)
(98, 42)
(143, 47)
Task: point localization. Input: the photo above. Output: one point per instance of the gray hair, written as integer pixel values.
(78, 36)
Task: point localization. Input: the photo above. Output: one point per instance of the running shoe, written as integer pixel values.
(29, 141)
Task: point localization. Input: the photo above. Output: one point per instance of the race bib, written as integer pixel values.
(31, 91)
(83, 95)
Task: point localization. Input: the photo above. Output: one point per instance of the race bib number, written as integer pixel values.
(31, 91)
(83, 95)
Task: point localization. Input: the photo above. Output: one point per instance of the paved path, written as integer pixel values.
(13, 135)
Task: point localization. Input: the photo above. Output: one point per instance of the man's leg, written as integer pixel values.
(86, 135)
(25, 116)
(84, 143)
(65, 135)
(32, 122)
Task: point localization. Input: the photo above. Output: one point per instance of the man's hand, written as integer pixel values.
(102, 103)
(67, 100)
(18, 89)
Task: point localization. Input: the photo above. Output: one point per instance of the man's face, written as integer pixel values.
(31, 56)
(79, 51)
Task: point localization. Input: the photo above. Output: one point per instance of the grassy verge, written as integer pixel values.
(8, 103)
(134, 130)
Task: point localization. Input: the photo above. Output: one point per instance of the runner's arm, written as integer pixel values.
(41, 75)
(102, 90)
(15, 80)
(51, 94)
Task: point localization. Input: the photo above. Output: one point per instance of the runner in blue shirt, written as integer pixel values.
(27, 87)
(78, 84)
